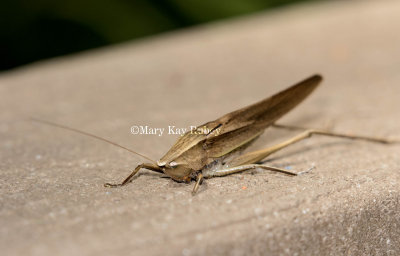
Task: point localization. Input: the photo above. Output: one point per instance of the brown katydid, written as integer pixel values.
(219, 151)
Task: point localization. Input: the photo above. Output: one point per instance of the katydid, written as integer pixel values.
(219, 151)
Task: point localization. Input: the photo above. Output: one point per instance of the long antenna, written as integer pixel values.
(90, 135)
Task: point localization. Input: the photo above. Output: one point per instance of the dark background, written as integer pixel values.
(34, 30)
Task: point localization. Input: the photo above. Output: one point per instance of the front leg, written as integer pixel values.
(128, 179)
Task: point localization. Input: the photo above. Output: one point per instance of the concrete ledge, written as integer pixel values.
(53, 201)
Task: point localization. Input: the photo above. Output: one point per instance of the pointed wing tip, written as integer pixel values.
(311, 82)
(316, 77)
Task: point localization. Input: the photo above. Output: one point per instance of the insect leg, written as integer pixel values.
(259, 155)
(128, 179)
(241, 168)
(333, 134)
(199, 180)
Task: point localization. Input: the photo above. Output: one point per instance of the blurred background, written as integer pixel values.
(35, 30)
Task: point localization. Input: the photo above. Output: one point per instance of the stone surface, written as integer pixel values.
(52, 197)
